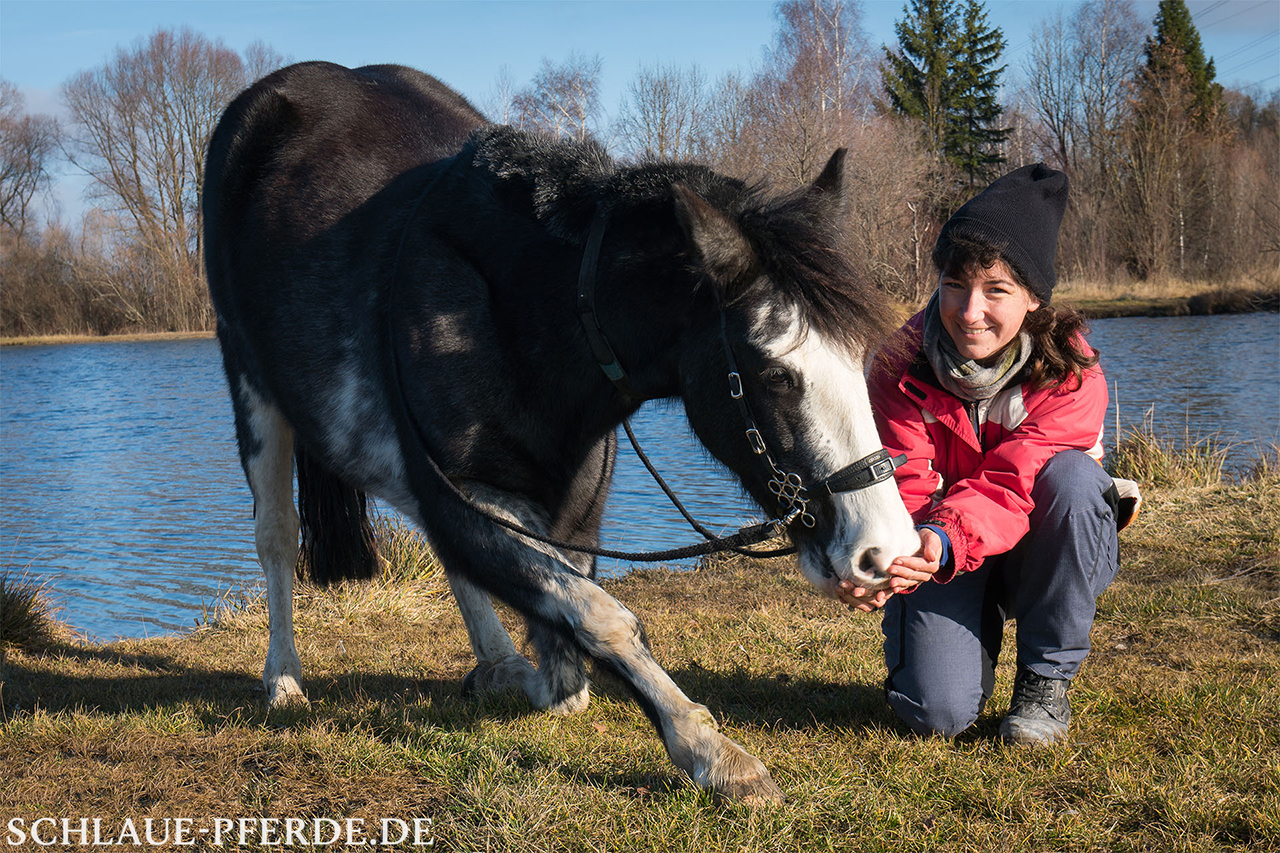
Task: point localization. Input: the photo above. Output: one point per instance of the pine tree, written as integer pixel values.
(1177, 37)
(975, 138)
(917, 79)
(945, 76)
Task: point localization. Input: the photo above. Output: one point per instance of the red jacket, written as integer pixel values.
(977, 490)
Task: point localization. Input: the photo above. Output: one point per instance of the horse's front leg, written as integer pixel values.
(558, 685)
(612, 634)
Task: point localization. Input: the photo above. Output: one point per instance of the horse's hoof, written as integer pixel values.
(739, 776)
(510, 672)
(752, 790)
(284, 699)
(573, 704)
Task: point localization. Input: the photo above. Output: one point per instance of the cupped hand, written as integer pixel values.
(904, 573)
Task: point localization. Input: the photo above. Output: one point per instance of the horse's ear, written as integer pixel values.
(828, 188)
(725, 253)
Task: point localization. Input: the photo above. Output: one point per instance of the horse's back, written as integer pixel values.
(315, 140)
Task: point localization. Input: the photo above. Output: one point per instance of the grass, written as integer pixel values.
(1175, 746)
(1169, 296)
(27, 617)
(40, 340)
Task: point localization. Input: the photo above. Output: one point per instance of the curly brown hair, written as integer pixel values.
(1057, 332)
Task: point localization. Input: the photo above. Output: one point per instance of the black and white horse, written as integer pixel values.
(397, 289)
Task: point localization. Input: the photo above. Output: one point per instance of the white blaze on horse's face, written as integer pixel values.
(871, 526)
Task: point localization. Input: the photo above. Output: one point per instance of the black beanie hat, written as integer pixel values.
(1019, 215)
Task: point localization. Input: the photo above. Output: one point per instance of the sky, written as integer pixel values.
(469, 44)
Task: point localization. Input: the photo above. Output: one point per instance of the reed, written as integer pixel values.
(405, 553)
(27, 616)
(1156, 458)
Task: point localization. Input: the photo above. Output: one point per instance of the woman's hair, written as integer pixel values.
(1056, 331)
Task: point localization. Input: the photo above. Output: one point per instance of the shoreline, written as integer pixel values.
(1221, 301)
(126, 337)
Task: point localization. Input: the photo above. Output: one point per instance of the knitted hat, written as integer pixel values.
(1019, 215)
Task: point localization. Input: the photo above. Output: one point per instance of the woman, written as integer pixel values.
(998, 404)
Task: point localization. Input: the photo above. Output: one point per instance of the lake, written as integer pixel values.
(121, 488)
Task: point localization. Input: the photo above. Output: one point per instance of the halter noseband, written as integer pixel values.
(787, 488)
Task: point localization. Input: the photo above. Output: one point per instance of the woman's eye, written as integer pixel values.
(777, 377)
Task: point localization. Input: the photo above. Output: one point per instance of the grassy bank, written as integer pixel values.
(1176, 745)
(1168, 298)
(40, 340)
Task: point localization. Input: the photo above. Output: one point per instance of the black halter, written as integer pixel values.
(787, 488)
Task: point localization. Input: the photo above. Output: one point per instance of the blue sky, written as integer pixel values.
(466, 44)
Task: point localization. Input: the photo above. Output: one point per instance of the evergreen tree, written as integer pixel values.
(974, 139)
(917, 78)
(1176, 38)
(945, 76)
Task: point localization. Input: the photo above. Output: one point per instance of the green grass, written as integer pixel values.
(1175, 745)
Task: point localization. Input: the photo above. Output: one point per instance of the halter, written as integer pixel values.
(787, 488)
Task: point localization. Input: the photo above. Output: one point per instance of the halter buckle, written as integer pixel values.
(756, 441)
(735, 386)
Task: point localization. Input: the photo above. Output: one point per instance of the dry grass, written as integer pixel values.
(40, 340)
(1167, 296)
(1176, 745)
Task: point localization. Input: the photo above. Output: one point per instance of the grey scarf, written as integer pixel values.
(967, 379)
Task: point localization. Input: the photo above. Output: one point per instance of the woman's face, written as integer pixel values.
(983, 311)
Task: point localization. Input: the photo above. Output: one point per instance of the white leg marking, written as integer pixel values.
(689, 731)
(275, 529)
(499, 666)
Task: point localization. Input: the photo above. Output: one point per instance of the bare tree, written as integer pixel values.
(816, 84)
(664, 114)
(562, 100)
(141, 124)
(500, 104)
(732, 133)
(27, 144)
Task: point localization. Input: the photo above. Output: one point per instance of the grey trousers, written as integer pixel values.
(942, 640)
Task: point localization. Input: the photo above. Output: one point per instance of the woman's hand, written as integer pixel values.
(905, 573)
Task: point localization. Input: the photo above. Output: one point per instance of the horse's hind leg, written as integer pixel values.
(559, 684)
(266, 450)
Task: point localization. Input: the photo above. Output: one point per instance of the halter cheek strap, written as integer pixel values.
(789, 489)
(604, 354)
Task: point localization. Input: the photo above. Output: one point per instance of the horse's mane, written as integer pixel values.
(795, 242)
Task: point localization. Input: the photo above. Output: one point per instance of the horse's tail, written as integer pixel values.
(337, 538)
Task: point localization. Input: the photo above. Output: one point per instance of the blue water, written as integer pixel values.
(120, 485)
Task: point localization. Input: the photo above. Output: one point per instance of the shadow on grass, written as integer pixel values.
(155, 682)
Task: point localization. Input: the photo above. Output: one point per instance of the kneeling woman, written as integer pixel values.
(998, 404)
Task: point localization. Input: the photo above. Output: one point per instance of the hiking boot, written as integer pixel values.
(1039, 712)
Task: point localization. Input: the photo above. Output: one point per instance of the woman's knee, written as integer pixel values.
(1071, 481)
(937, 712)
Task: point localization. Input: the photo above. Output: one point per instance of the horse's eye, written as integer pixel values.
(777, 377)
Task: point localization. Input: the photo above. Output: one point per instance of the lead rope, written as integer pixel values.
(675, 501)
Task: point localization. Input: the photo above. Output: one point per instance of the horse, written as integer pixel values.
(454, 316)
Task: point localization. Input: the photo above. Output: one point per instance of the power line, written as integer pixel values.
(1255, 60)
(1250, 46)
(1235, 14)
(1209, 9)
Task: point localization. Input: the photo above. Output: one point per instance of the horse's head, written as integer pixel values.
(773, 380)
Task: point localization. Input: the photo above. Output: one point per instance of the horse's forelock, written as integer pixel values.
(804, 262)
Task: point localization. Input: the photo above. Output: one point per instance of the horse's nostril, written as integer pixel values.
(868, 562)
